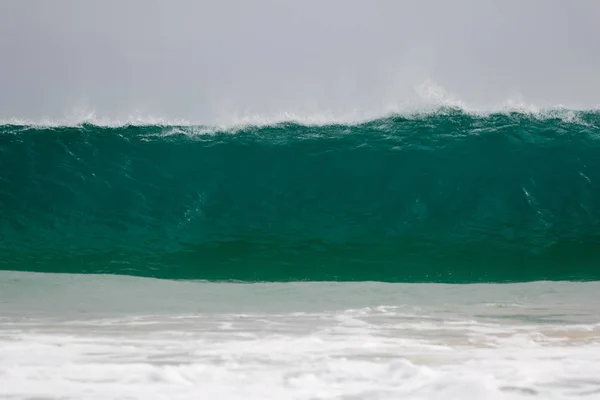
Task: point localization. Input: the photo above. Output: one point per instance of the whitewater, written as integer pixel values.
(116, 337)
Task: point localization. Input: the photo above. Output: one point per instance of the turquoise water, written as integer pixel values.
(441, 197)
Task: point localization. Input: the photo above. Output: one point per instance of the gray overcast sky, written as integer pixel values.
(205, 61)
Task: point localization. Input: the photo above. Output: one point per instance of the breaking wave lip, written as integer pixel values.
(434, 101)
(237, 125)
(567, 115)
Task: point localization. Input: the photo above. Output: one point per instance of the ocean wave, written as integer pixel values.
(448, 197)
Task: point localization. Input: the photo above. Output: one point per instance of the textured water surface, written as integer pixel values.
(115, 337)
(441, 197)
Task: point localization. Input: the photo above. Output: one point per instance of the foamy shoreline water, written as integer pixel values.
(107, 337)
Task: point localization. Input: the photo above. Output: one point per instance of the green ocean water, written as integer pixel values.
(439, 197)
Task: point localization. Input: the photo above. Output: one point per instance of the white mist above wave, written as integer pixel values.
(111, 337)
(431, 99)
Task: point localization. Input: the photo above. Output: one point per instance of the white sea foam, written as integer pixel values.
(277, 356)
(103, 337)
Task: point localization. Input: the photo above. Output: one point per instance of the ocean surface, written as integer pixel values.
(442, 197)
(441, 255)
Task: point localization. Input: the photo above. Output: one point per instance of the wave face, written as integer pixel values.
(446, 197)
